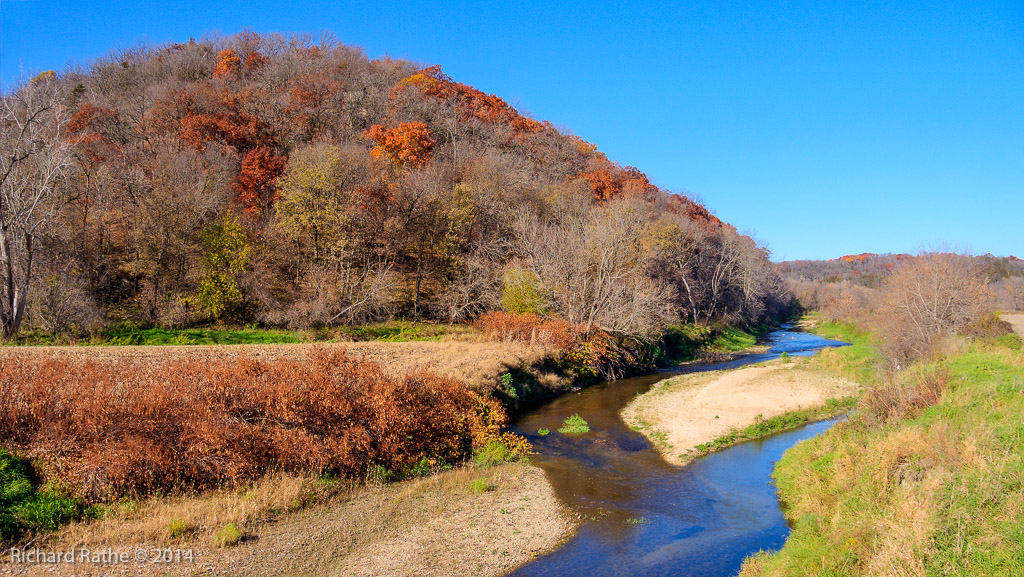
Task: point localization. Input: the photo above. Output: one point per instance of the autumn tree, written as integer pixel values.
(407, 145)
(34, 162)
(595, 267)
(228, 63)
(226, 256)
(316, 192)
(370, 187)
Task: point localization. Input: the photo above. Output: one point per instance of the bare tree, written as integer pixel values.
(595, 266)
(932, 295)
(1011, 293)
(34, 160)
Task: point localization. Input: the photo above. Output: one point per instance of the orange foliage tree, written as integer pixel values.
(228, 63)
(471, 102)
(406, 145)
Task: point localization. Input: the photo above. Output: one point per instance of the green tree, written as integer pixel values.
(315, 191)
(523, 292)
(226, 256)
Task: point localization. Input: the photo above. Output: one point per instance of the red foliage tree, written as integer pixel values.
(312, 100)
(203, 114)
(88, 129)
(255, 181)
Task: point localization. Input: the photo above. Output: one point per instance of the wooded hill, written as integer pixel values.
(292, 181)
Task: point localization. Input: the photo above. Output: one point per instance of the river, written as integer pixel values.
(642, 516)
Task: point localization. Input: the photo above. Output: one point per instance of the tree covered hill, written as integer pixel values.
(292, 181)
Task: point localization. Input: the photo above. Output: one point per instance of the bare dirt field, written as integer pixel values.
(442, 525)
(682, 412)
(471, 362)
(1016, 321)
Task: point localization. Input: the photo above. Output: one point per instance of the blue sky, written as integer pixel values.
(824, 128)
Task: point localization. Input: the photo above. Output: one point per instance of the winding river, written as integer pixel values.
(644, 517)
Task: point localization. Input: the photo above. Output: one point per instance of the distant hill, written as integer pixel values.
(868, 269)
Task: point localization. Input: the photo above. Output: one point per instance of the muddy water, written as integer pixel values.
(644, 517)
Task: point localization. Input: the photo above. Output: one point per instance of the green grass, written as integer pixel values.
(574, 425)
(26, 507)
(130, 335)
(399, 331)
(777, 424)
(939, 491)
(159, 336)
(495, 453)
(858, 362)
(480, 485)
(730, 339)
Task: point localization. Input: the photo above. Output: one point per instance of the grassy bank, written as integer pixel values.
(765, 427)
(132, 335)
(927, 478)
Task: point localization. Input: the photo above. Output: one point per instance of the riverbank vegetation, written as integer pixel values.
(127, 428)
(926, 476)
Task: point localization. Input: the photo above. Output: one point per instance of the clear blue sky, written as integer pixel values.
(824, 127)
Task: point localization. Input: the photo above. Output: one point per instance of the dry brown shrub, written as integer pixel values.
(988, 326)
(894, 400)
(126, 427)
(528, 328)
(590, 351)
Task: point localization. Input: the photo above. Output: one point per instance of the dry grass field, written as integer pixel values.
(471, 361)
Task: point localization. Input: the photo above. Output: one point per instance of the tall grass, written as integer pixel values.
(927, 478)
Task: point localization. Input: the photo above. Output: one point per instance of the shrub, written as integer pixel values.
(506, 448)
(524, 293)
(588, 351)
(177, 529)
(574, 425)
(227, 536)
(480, 485)
(895, 400)
(527, 328)
(127, 427)
(989, 326)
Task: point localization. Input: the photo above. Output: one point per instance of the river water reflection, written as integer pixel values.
(643, 516)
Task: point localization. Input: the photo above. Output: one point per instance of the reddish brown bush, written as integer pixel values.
(529, 328)
(588, 351)
(128, 427)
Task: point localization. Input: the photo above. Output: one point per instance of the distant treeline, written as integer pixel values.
(292, 181)
(819, 282)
